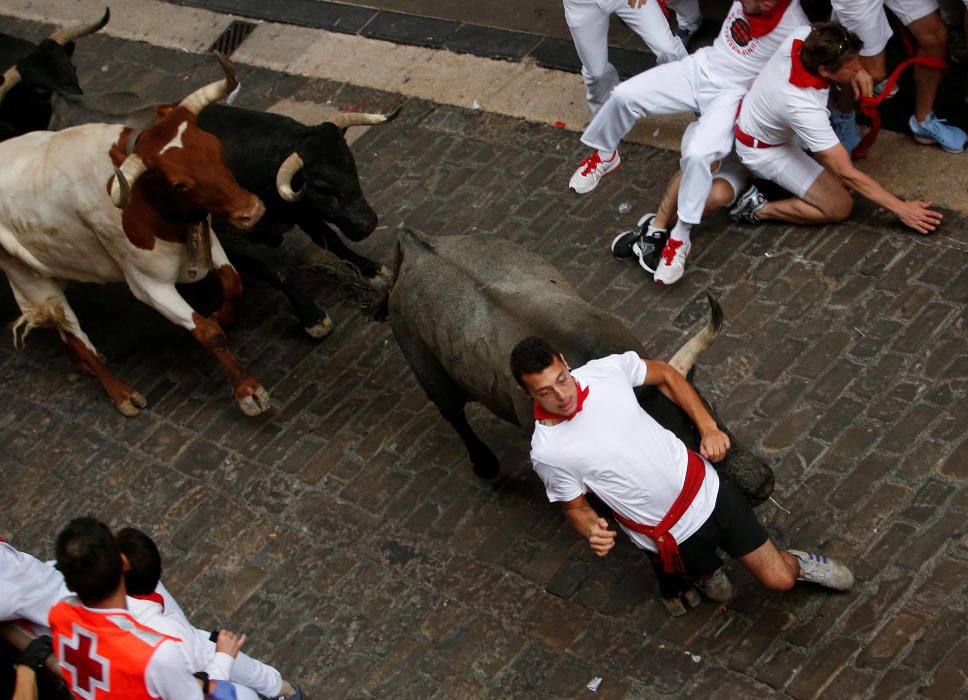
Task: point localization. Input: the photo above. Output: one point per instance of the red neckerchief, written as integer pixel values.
(665, 542)
(761, 25)
(541, 414)
(800, 76)
(154, 597)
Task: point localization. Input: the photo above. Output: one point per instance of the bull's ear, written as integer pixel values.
(163, 110)
(69, 48)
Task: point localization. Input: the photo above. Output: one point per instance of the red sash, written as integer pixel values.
(868, 105)
(666, 543)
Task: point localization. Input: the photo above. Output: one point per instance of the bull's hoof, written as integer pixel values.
(486, 467)
(132, 404)
(256, 403)
(380, 280)
(320, 329)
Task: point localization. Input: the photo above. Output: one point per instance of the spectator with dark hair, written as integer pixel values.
(155, 607)
(103, 651)
(787, 108)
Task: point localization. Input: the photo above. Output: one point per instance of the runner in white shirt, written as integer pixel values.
(592, 435)
(588, 23)
(787, 108)
(712, 82)
(867, 19)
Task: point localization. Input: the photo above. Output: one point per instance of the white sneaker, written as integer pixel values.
(672, 261)
(591, 170)
(824, 571)
(717, 587)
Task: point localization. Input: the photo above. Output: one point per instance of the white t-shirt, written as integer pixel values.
(778, 112)
(735, 57)
(29, 588)
(615, 449)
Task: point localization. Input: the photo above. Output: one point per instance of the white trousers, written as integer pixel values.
(588, 22)
(670, 89)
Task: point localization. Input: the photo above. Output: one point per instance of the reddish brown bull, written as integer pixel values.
(146, 224)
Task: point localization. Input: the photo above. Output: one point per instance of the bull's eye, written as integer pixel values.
(180, 185)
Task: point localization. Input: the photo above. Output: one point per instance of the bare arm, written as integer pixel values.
(714, 442)
(915, 214)
(26, 684)
(586, 521)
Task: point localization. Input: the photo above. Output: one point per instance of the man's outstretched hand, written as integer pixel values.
(601, 538)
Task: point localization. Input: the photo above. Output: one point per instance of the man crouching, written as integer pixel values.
(591, 434)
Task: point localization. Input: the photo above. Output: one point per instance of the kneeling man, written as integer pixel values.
(591, 434)
(786, 109)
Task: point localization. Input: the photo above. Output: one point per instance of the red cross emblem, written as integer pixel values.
(89, 672)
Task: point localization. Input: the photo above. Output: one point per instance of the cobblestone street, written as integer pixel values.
(344, 530)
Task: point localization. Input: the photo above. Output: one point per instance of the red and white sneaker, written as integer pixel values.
(672, 261)
(591, 170)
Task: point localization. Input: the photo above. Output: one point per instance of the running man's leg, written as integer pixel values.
(588, 25)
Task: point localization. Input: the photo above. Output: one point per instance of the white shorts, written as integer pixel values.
(867, 20)
(729, 168)
(788, 166)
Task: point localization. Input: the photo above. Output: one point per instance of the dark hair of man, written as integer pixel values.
(89, 558)
(144, 561)
(830, 45)
(530, 356)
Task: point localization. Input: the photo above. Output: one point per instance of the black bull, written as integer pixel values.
(459, 304)
(255, 146)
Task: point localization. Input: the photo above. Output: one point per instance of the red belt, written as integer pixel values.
(666, 543)
(748, 140)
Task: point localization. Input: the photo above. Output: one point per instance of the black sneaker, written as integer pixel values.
(623, 246)
(649, 248)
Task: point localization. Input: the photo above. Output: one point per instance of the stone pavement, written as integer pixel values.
(344, 530)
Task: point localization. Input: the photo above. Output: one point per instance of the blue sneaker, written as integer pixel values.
(685, 35)
(934, 130)
(845, 126)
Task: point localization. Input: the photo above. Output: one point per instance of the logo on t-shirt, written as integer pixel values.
(739, 30)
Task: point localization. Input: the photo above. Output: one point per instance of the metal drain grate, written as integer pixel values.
(233, 36)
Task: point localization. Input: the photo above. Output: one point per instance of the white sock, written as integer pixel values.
(607, 156)
(680, 231)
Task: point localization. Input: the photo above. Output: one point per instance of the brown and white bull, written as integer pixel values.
(104, 203)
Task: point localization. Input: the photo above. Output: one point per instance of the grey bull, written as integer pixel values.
(459, 304)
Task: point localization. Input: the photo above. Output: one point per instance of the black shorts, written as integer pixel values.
(732, 527)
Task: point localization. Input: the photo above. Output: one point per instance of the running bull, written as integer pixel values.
(104, 203)
(35, 72)
(458, 304)
(306, 175)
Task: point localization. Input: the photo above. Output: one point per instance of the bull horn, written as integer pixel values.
(213, 92)
(687, 355)
(290, 166)
(344, 120)
(69, 34)
(10, 79)
(131, 169)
